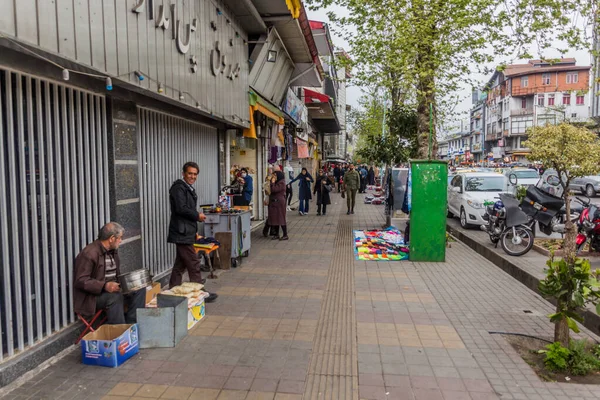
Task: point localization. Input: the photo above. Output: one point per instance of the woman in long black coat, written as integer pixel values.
(303, 190)
(277, 206)
(322, 189)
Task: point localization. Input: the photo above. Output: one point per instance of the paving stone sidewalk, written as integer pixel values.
(421, 330)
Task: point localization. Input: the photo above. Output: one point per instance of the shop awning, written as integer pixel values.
(262, 105)
(312, 96)
(520, 153)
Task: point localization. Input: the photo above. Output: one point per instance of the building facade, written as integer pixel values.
(533, 94)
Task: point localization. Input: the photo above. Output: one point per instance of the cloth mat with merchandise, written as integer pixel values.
(380, 245)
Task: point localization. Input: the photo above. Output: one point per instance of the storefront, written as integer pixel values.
(97, 129)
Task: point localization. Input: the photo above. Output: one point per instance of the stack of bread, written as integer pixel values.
(192, 290)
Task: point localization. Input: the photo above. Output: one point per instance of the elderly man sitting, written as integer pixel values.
(95, 279)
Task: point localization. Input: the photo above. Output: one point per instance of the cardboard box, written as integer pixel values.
(152, 291)
(195, 314)
(110, 345)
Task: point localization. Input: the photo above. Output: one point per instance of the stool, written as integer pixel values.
(89, 325)
(207, 253)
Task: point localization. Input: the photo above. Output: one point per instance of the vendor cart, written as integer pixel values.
(238, 223)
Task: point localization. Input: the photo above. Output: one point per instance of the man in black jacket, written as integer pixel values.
(183, 226)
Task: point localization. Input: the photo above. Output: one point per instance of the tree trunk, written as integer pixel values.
(561, 331)
(425, 98)
(570, 245)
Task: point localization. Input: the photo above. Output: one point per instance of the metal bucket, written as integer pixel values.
(135, 280)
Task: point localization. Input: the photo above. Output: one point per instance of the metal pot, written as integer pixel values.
(135, 280)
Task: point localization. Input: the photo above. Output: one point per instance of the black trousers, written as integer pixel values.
(186, 259)
(289, 193)
(283, 228)
(324, 208)
(114, 304)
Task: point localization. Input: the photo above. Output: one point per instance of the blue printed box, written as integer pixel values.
(110, 345)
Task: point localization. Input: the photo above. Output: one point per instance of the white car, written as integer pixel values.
(468, 193)
(525, 177)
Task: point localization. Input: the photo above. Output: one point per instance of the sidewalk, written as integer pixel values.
(303, 320)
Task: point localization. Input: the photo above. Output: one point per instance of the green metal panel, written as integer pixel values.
(429, 203)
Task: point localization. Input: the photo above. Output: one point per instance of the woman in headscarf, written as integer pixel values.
(322, 189)
(277, 205)
(303, 190)
(371, 176)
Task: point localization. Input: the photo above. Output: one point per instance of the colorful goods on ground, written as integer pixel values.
(380, 245)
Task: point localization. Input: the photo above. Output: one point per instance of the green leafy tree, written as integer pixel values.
(572, 152)
(423, 50)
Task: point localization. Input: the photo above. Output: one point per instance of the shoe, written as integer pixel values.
(352, 212)
(323, 214)
(318, 213)
(275, 237)
(203, 281)
(284, 238)
(266, 233)
(211, 297)
(300, 212)
(348, 213)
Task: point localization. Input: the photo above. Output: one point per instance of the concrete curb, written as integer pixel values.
(591, 319)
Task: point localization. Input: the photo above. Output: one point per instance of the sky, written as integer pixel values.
(354, 93)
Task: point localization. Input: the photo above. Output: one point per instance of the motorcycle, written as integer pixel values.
(588, 227)
(507, 224)
(548, 210)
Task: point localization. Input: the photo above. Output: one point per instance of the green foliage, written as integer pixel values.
(521, 192)
(423, 51)
(582, 361)
(397, 145)
(572, 286)
(578, 359)
(557, 357)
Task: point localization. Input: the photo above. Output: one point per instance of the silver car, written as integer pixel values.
(588, 185)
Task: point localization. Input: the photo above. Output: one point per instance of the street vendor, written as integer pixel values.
(184, 226)
(96, 286)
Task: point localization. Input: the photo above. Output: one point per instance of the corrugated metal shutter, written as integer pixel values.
(53, 199)
(166, 143)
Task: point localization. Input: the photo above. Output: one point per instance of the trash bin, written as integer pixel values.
(429, 203)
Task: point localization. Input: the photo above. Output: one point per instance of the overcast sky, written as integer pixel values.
(354, 93)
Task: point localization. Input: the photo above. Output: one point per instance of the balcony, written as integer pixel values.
(530, 91)
(490, 136)
(521, 111)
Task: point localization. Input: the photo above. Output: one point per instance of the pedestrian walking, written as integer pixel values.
(363, 178)
(323, 185)
(267, 194)
(277, 210)
(304, 195)
(337, 174)
(371, 176)
(351, 183)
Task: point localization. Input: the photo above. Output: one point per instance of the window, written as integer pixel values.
(550, 99)
(580, 100)
(524, 81)
(520, 124)
(574, 115)
(540, 100)
(523, 102)
(572, 77)
(505, 124)
(566, 98)
(545, 79)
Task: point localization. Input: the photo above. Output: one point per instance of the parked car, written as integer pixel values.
(469, 192)
(588, 185)
(525, 177)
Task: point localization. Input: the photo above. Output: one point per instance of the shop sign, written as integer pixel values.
(497, 152)
(182, 34)
(293, 106)
(501, 143)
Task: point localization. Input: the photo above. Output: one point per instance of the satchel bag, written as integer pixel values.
(328, 188)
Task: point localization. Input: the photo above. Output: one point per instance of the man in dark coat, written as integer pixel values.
(303, 190)
(277, 209)
(322, 189)
(183, 227)
(337, 174)
(95, 279)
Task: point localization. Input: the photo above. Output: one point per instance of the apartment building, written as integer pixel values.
(477, 126)
(595, 94)
(533, 94)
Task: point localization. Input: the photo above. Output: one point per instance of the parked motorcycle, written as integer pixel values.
(507, 224)
(588, 227)
(548, 210)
